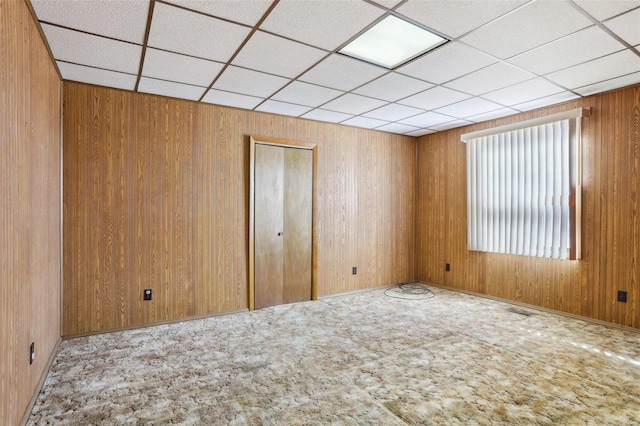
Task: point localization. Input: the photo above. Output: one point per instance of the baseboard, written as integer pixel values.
(357, 291)
(539, 308)
(151, 324)
(43, 377)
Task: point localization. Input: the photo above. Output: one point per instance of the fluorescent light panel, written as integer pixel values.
(392, 42)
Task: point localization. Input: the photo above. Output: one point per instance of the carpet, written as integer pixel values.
(356, 359)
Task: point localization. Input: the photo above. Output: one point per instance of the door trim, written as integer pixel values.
(253, 140)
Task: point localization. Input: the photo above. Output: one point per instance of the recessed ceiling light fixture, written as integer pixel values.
(392, 42)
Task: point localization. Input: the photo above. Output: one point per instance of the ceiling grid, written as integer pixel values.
(500, 58)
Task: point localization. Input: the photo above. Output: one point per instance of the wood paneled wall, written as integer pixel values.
(30, 209)
(610, 212)
(156, 196)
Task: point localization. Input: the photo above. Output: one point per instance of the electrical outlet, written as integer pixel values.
(354, 270)
(622, 296)
(32, 353)
(147, 294)
(447, 267)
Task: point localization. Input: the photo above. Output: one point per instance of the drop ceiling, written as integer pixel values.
(502, 56)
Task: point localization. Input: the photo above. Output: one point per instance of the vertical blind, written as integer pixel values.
(522, 187)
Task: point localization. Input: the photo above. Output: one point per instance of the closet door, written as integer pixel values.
(283, 225)
(298, 190)
(269, 225)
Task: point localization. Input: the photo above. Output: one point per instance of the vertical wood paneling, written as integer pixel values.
(611, 163)
(156, 196)
(30, 212)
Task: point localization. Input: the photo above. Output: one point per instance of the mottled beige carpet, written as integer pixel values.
(358, 359)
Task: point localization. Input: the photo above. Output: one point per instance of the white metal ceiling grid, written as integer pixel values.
(280, 56)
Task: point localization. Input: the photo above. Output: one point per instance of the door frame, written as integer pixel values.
(253, 140)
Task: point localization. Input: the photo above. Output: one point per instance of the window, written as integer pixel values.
(523, 187)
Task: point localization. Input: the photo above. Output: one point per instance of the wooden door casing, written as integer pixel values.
(301, 241)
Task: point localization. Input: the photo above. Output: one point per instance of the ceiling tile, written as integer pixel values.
(318, 23)
(489, 79)
(450, 61)
(179, 68)
(532, 25)
(367, 123)
(306, 94)
(502, 112)
(605, 68)
(397, 128)
(573, 49)
(342, 73)
(353, 104)
(328, 116)
(248, 82)
(392, 87)
(282, 108)
(451, 125)
(72, 46)
(469, 107)
(523, 92)
(194, 34)
(607, 85)
(434, 98)
(455, 18)
(546, 101)
(219, 97)
(602, 10)
(247, 12)
(427, 119)
(97, 76)
(393, 112)
(173, 90)
(123, 20)
(627, 26)
(421, 132)
(276, 55)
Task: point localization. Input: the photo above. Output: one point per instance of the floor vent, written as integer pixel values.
(520, 312)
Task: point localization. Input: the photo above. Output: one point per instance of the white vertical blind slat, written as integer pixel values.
(509, 200)
(502, 220)
(472, 215)
(519, 136)
(495, 176)
(557, 187)
(565, 241)
(534, 197)
(484, 232)
(543, 195)
(549, 131)
(526, 193)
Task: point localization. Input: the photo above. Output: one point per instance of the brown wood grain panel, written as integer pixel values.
(30, 270)
(158, 197)
(588, 287)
